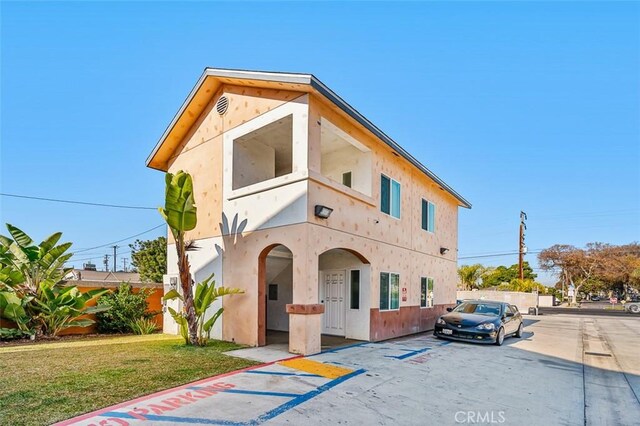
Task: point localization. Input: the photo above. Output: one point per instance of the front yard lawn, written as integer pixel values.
(43, 384)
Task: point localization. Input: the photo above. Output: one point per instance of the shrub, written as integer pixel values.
(126, 307)
(13, 333)
(143, 326)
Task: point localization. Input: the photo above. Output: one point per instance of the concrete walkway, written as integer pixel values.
(565, 370)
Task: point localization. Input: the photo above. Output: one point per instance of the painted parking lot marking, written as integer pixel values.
(280, 373)
(408, 354)
(314, 367)
(266, 386)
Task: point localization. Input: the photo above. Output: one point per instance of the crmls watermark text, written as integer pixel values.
(480, 417)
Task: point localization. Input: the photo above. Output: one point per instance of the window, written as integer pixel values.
(346, 179)
(390, 196)
(343, 159)
(389, 291)
(273, 291)
(428, 216)
(263, 154)
(426, 292)
(354, 301)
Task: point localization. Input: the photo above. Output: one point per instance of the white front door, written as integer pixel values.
(332, 295)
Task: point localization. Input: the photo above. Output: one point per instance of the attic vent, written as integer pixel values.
(222, 105)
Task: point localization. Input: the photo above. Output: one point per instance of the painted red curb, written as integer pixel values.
(164, 392)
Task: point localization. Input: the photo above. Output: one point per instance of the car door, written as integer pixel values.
(508, 319)
(514, 320)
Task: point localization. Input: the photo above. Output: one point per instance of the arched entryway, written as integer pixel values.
(344, 278)
(275, 291)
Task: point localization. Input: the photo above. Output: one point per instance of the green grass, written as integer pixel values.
(39, 387)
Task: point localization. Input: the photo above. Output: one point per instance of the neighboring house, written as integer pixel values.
(107, 279)
(271, 154)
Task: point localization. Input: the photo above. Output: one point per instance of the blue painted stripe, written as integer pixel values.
(175, 419)
(339, 348)
(408, 354)
(278, 373)
(251, 392)
(305, 397)
(248, 392)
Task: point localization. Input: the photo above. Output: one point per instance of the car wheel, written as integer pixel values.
(519, 332)
(500, 337)
(634, 309)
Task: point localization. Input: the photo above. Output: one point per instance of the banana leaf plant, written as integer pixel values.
(63, 307)
(180, 213)
(41, 263)
(13, 308)
(205, 295)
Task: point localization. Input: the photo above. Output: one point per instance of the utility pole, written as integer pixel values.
(523, 248)
(106, 262)
(115, 251)
(124, 264)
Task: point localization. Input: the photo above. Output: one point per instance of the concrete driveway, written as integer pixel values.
(566, 370)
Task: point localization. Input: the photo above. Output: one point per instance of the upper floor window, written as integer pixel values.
(263, 154)
(390, 196)
(343, 159)
(428, 216)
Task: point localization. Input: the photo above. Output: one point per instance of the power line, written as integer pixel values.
(73, 260)
(119, 241)
(85, 203)
(498, 254)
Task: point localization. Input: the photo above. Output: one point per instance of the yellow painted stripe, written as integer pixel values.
(325, 370)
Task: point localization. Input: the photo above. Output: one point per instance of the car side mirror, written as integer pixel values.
(509, 314)
(449, 309)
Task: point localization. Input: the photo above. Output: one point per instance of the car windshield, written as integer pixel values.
(479, 308)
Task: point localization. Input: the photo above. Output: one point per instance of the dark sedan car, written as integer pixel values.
(481, 321)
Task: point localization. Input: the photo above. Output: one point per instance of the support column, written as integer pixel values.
(305, 321)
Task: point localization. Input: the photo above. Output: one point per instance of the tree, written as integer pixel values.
(620, 267)
(503, 274)
(576, 266)
(470, 275)
(180, 213)
(149, 257)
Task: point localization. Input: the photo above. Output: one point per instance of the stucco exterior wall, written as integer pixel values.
(201, 153)
(236, 227)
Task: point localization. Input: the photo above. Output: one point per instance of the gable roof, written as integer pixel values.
(212, 78)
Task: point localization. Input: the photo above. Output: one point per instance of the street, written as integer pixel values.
(569, 370)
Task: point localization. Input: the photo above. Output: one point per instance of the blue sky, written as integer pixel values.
(517, 105)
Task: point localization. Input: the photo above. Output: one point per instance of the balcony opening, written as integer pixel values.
(344, 159)
(263, 154)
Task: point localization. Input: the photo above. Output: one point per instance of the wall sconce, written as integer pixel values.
(323, 212)
(443, 250)
(173, 282)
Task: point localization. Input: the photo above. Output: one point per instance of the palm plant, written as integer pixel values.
(63, 307)
(180, 213)
(32, 291)
(42, 263)
(470, 275)
(205, 295)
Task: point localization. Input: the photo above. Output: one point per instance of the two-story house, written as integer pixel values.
(328, 225)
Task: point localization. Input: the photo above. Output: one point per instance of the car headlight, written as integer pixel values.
(440, 322)
(487, 326)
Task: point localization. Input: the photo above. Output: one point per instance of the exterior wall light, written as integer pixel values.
(173, 282)
(443, 250)
(323, 212)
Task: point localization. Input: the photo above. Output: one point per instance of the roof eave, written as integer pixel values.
(316, 84)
